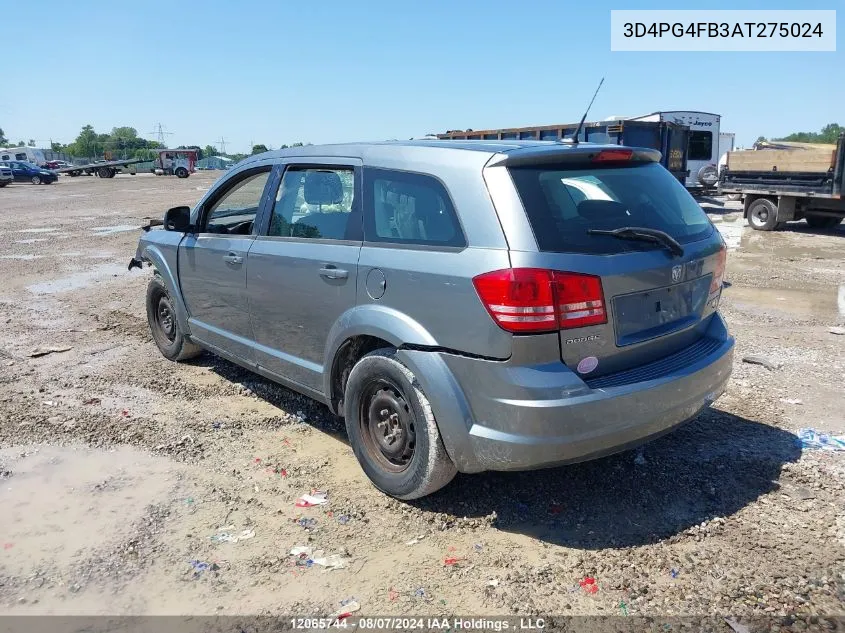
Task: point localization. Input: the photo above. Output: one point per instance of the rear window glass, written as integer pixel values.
(408, 208)
(563, 204)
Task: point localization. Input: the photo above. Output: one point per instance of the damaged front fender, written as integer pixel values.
(160, 249)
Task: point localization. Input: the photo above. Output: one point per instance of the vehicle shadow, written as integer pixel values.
(711, 467)
(803, 227)
(286, 400)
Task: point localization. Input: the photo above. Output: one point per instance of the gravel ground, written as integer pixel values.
(127, 481)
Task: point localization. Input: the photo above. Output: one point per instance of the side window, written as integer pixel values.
(700, 145)
(408, 208)
(234, 212)
(315, 203)
(20, 156)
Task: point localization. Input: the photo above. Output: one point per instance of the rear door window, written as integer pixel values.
(316, 203)
(563, 204)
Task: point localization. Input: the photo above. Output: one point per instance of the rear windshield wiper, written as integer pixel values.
(644, 234)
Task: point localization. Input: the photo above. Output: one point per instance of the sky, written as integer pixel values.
(283, 71)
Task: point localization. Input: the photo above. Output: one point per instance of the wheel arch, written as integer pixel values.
(154, 255)
(361, 326)
(363, 329)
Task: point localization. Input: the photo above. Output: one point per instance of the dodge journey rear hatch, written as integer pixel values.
(630, 267)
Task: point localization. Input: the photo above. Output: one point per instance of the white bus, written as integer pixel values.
(703, 149)
(28, 154)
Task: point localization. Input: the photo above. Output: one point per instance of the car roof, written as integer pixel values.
(426, 149)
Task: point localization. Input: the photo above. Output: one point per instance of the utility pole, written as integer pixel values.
(222, 145)
(160, 132)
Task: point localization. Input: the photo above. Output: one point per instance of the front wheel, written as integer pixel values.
(35, 180)
(181, 172)
(164, 326)
(392, 429)
(763, 215)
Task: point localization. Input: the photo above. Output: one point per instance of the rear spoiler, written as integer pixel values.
(579, 154)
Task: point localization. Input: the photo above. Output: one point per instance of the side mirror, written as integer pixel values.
(178, 219)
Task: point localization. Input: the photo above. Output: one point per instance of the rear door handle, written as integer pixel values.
(332, 272)
(233, 258)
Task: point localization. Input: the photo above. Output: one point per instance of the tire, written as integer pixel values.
(763, 215)
(35, 180)
(181, 172)
(103, 172)
(3, 184)
(74, 174)
(823, 221)
(164, 326)
(381, 389)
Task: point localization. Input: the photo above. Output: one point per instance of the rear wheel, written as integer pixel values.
(35, 180)
(763, 215)
(164, 326)
(181, 172)
(823, 221)
(392, 429)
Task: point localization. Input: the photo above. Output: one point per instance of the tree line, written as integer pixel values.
(124, 142)
(829, 134)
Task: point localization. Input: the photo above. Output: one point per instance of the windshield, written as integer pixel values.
(564, 204)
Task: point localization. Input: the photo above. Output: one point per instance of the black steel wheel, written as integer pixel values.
(387, 425)
(392, 429)
(164, 324)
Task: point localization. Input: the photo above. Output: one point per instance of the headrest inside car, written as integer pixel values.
(323, 187)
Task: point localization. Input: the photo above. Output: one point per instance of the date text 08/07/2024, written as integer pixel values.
(420, 623)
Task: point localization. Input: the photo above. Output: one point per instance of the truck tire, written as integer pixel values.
(823, 221)
(392, 429)
(164, 326)
(763, 215)
(181, 172)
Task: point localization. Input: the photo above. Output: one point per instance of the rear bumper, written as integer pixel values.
(525, 417)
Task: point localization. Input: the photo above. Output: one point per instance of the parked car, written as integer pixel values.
(56, 164)
(27, 172)
(5, 175)
(464, 305)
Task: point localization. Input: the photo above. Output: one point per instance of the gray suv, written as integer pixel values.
(464, 305)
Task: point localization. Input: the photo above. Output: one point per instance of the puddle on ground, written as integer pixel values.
(78, 280)
(806, 303)
(60, 503)
(116, 228)
(32, 240)
(24, 257)
(731, 233)
(47, 229)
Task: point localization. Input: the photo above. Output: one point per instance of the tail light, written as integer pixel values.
(538, 300)
(613, 155)
(719, 270)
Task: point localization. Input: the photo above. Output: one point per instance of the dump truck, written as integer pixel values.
(669, 138)
(782, 181)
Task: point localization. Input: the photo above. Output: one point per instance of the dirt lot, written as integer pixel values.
(119, 470)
